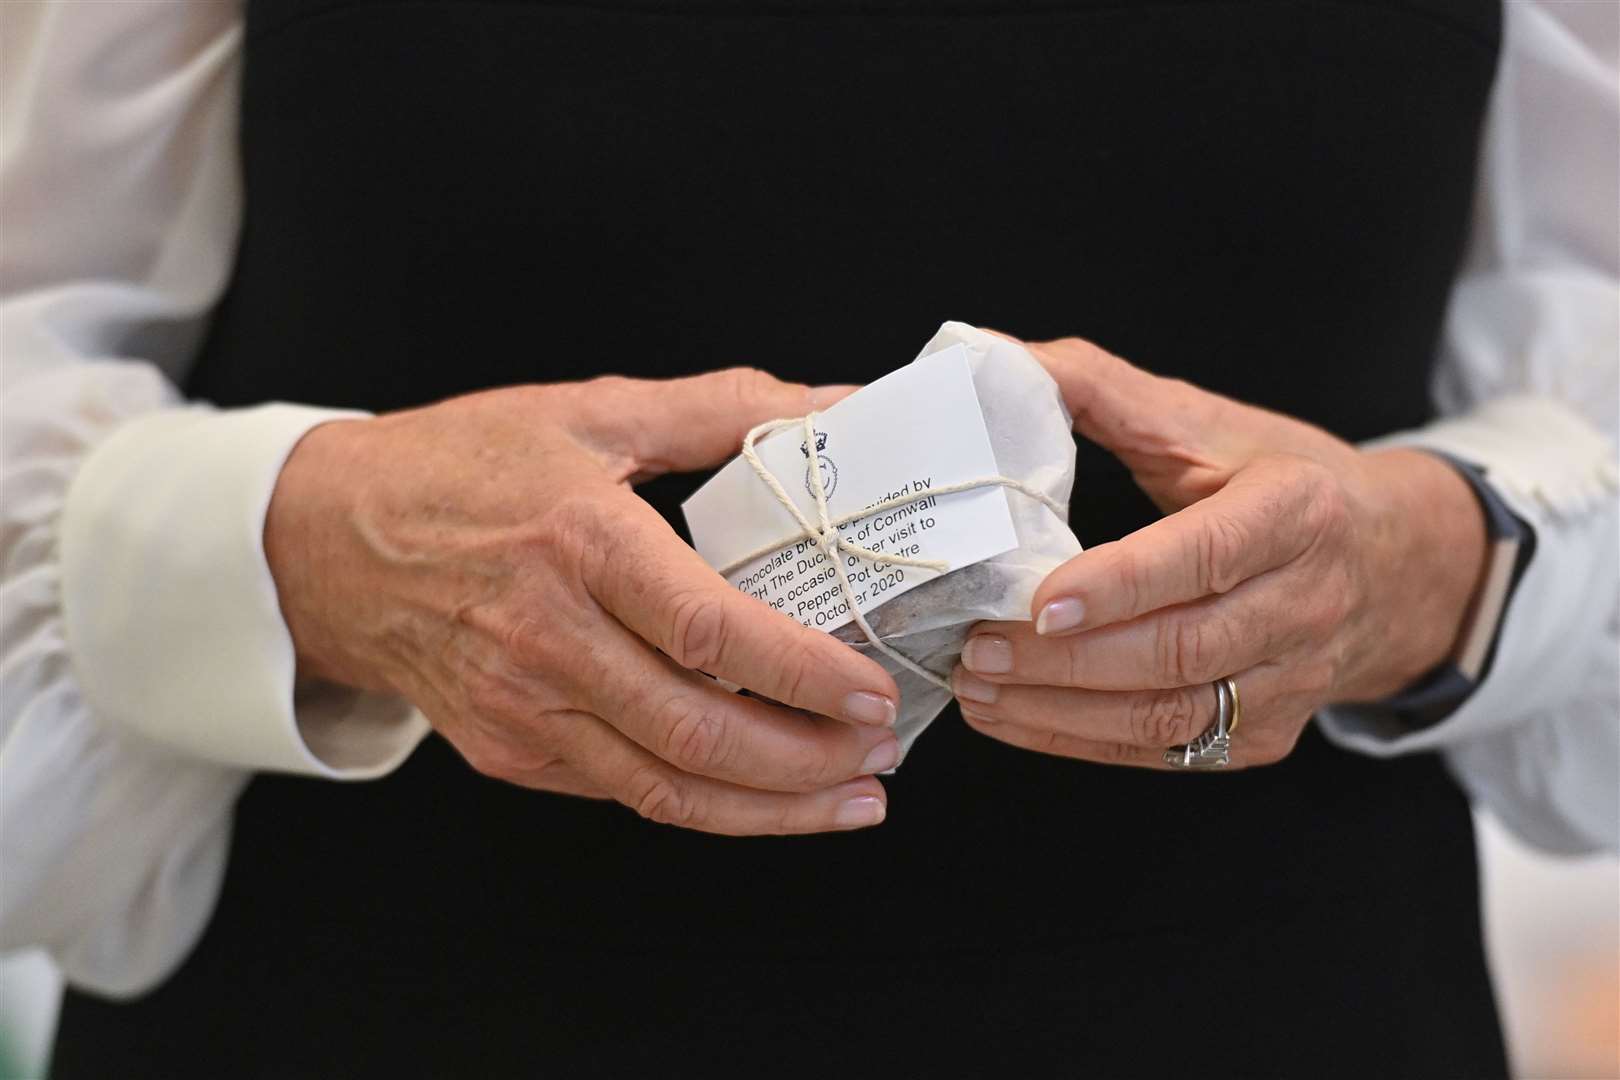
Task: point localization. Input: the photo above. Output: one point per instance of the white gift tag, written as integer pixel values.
(914, 430)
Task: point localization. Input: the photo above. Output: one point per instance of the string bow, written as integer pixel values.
(823, 532)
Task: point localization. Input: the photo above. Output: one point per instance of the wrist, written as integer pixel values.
(1427, 563)
(305, 552)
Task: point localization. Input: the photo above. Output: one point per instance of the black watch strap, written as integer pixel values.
(1511, 542)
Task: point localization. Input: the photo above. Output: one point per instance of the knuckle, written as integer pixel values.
(505, 733)
(479, 755)
(571, 534)
(792, 668)
(1164, 719)
(1115, 753)
(1128, 576)
(1272, 729)
(1341, 598)
(659, 797)
(691, 736)
(1327, 612)
(749, 385)
(785, 821)
(610, 389)
(1072, 664)
(489, 694)
(813, 766)
(586, 517)
(1192, 650)
(490, 758)
(1218, 549)
(1325, 510)
(794, 680)
(527, 644)
(1313, 682)
(697, 630)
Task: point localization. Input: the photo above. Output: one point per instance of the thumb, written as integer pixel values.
(1169, 433)
(696, 422)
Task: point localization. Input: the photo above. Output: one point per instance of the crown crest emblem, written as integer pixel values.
(821, 444)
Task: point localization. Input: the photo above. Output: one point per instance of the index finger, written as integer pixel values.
(1253, 524)
(688, 423)
(664, 592)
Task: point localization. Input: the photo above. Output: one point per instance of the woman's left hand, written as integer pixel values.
(1307, 570)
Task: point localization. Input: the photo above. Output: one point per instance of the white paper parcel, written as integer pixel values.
(972, 409)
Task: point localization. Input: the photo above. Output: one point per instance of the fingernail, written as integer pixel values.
(988, 654)
(865, 707)
(977, 717)
(969, 688)
(860, 812)
(884, 756)
(1060, 615)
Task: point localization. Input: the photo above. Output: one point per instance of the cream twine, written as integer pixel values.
(828, 539)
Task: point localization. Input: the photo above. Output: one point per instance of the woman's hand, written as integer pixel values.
(1309, 571)
(486, 558)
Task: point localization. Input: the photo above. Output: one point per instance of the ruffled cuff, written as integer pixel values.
(172, 616)
(1557, 473)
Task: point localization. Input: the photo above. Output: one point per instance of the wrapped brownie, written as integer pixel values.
(927, 501)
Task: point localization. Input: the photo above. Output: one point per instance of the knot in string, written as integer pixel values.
(823, 532)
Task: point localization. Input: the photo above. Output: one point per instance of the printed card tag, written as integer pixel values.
(915, 430)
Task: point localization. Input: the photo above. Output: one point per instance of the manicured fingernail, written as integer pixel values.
(988, 654)
(885, 755)
(865, 707)
(1060, 615)
(969, 688)
(860, 812)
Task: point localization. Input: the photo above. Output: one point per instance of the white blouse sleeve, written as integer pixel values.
(144, 665)
(1529, 388)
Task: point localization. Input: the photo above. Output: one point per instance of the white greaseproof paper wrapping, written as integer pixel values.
(992, 575)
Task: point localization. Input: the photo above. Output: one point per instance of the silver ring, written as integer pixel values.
(1212, 749)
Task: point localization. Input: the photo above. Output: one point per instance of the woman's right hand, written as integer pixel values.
(486, 558)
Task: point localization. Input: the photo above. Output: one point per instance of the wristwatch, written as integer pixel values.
(1510, 543)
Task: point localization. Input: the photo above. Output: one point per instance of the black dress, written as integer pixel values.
(1269, 199)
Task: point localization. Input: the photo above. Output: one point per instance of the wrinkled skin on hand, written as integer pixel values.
(1311, 572)
(486, 558)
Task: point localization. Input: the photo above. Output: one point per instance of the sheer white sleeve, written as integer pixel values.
(1529, 385)
(144, 665)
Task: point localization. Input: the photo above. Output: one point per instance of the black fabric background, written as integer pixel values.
(1266, 198)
